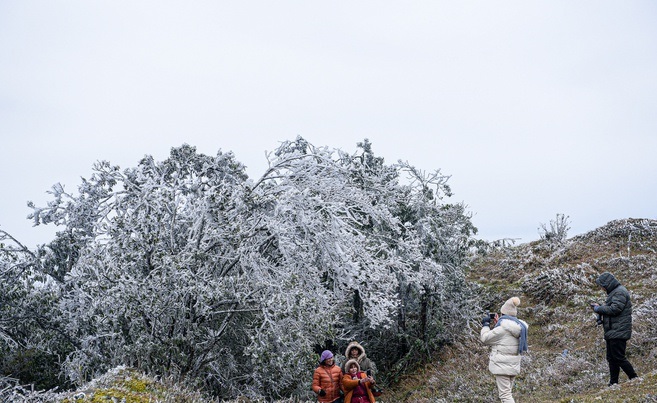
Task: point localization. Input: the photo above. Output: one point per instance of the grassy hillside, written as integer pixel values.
(555, 282)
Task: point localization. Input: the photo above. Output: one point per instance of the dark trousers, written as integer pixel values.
(617, 360)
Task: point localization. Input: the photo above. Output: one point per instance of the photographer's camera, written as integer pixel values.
(598, 319)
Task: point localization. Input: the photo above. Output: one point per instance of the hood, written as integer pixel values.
(607, 281)
(512, 327)
(355, 344)
(348, 364)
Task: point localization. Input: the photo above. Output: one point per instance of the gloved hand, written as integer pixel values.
(322, 392)
(485, 321)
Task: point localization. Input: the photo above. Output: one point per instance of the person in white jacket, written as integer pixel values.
(508, 339)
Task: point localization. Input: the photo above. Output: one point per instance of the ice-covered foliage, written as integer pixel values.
(557, 285)
(187, 268)
(31, 337)
(11, 391)
(557, 232)
(645, 328)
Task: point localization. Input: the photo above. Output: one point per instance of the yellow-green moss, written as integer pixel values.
(106, 395)
(136, 385)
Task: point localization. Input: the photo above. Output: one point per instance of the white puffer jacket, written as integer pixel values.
(504, 358)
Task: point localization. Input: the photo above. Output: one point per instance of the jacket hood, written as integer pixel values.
(607, 281)
(361, 355)
(348, 364)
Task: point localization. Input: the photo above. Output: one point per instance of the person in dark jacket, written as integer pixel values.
(616, 316)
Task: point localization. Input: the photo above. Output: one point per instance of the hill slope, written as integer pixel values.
(555, 282)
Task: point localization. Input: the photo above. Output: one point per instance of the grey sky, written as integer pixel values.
(534, 108)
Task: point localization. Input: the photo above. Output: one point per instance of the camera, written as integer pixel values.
(492, 315)
(598, 319)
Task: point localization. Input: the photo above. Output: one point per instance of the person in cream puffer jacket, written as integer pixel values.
(508, 340)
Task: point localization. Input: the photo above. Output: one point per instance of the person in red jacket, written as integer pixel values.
(357, 384)
(326, 379)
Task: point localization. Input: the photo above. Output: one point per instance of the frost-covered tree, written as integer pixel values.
(186, 267)
(434, 239)
(557, 233)
(32, 342)
(157, 282)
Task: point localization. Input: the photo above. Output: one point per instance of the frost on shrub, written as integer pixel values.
(557, 285)
(644, 329)
(570, 371)
(187, 268)
(627, 237)
(557, 232)
(12, 391)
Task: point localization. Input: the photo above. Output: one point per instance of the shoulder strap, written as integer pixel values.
(330, 376)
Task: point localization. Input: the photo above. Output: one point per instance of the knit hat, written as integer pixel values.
(326, 354)
(509, 307)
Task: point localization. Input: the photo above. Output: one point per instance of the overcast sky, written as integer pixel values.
(533, 107)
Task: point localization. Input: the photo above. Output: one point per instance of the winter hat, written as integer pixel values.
(509, 307)
(326, 354)
(349, 363)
